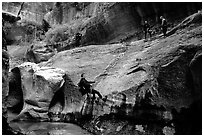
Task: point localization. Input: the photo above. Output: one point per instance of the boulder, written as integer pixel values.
(39, 86)
(39, 52)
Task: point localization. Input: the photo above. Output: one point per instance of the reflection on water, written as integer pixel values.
(48, 128)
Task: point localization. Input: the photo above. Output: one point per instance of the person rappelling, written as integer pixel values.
(85, 87)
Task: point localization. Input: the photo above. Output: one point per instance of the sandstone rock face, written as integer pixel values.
(112, 22)
(137, 68)
(144, 80)
(101, 22)
(39, 85)
(157, 80)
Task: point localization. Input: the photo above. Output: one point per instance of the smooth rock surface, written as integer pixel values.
(39, 85)
(155, 70)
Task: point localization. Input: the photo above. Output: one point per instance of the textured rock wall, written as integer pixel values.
(107, 21)
(5, 90)
(73, 11)
(5, 74)
(111, 22)
(148, 81)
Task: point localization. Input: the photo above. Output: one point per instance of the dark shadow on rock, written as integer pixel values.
(196, 71)
(15, 97)
(140, 68)
(58, 98)
(189, 120)
(173, 78)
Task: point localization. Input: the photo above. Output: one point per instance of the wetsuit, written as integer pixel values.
(45, 25)
(147, 29)
(78, 39)
(85, 88)
(164, 26)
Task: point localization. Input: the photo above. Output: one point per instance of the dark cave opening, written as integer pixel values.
(15, 96)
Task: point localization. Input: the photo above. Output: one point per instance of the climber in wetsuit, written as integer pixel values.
(163, 25)
(146, 28)
(45, 25)
(85, 87)
(78, 39)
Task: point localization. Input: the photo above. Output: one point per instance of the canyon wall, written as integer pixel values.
(111, 22)
(101, 22)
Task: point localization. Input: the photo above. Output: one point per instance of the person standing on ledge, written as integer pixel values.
(163, 25)
(78, 39)
(146, 28)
